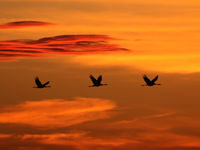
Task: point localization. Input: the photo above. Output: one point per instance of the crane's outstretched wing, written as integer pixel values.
(46, 83)
(37, 81)
(99, 79)
(154, 80)
(93, 79)
(146, 79)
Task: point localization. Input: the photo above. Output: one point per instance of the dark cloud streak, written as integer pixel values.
(22, 24)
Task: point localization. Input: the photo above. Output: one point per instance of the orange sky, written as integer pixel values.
(65, 41)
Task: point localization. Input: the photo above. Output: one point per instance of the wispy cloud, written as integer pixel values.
(57, 112)
(22, 24)
(71, 139)
(144, 122)
(64, 44)
(66, 141)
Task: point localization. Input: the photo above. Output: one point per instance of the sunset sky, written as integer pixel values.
(65, 41)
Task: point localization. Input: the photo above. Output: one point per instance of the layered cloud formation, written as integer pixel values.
(64, 44)
(22, 24)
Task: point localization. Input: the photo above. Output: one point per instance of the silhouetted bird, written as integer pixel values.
(149, 82)
(96, 82)
(39, 84)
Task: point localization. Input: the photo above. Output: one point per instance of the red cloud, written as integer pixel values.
(64, 44)
(22, 24)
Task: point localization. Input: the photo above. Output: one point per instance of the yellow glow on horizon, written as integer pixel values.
(160, 63)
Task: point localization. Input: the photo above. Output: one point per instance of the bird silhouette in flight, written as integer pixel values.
(150, 82)
(40, 85)
(96, 82)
